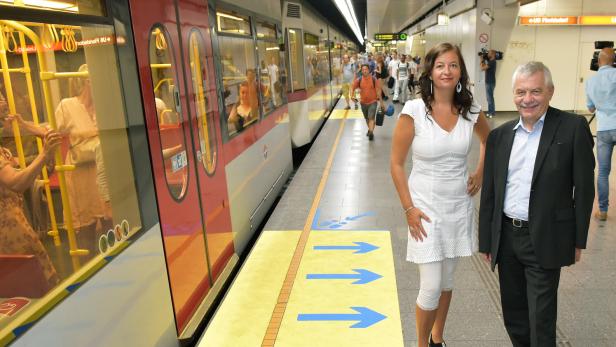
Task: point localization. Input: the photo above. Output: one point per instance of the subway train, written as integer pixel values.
(177, 121)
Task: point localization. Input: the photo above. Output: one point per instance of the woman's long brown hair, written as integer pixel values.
(463, 100)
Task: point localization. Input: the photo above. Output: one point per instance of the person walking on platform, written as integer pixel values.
(370, 92)
(536, 204)
(489, 66)
(402, 80)
(392, 66)
(601, 98)
(437, 198)
(382, 73)
(348, 75)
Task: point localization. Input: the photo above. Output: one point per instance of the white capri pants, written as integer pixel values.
(435, 278)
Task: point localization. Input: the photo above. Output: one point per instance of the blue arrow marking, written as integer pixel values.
(362, 276)
(365, 317)
(366, 214)
(362, 247)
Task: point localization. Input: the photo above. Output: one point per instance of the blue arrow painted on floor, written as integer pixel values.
(366, 214)
(361, 247)
(365, 317)
(361, 275)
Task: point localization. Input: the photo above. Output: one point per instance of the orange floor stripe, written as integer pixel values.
(272, 330)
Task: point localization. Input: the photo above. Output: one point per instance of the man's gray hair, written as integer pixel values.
(531, 68)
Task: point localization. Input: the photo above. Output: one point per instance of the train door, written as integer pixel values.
(157, 43)
(205, 118)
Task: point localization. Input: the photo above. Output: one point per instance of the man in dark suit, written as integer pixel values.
(536, 202)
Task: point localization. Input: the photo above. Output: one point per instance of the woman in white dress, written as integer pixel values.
(437, 200)
(76, 117)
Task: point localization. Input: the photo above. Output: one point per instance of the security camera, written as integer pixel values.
(486, 16)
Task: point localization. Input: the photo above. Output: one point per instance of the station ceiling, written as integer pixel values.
(328, 9)
(388, 16)
(374, 16)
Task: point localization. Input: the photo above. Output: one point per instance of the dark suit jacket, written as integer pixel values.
(562, 189)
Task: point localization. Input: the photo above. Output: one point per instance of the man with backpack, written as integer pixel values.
(370, 93)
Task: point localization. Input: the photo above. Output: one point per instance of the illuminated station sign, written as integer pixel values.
(567, 20)
(390, 37)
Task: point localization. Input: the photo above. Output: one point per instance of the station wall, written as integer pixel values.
(566, 50)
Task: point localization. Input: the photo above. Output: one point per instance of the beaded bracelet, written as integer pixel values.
(408, 209)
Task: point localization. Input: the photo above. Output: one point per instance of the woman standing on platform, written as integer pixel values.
(437, 200)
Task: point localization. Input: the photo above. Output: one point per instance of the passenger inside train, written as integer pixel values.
(66, 176)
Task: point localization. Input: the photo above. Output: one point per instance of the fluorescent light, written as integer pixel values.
(48, 4)
(272, 49)
(220, 14)
(56, 5)
(442, 19)
(346, 8)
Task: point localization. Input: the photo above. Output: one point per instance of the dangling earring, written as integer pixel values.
(431, 87)
(459, 87)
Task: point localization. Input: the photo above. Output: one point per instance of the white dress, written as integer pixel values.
(438, 186)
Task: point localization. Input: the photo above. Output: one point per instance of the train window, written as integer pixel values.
(90, 7)
(311, 60)
(298, 80)
(231, 22)
(272, 75)
(241, 87)
(83, 211)
(266, 30)
(323, 62)
(271, 69)
(169, 111)
(205, 121)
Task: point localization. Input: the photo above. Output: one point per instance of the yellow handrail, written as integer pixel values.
(160, 83)
(68, 219)
(10, 98)
(39, 143)
(194, 50)
(50, 75)
(160, 66)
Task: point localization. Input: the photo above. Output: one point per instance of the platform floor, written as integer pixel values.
(340, 222)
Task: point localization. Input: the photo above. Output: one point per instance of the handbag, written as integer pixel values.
(84, 151)
(380, 116)
(391, 82)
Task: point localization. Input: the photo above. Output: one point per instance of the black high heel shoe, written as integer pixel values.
(434, 344)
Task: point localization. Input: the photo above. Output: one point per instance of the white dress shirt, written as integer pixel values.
(521, 166)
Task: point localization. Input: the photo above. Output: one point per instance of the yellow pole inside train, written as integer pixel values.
(39, 143)
(194, 48)
(11, 101)
(60, 167)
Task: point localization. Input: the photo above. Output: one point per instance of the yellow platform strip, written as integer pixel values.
(278, 313)
(316, 115)
(350, 114)
(245, 312)
(338, 295)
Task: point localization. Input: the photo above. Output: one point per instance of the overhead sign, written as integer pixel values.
(390, 37)
(568, 20)
(547, 20)
(597, 20)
